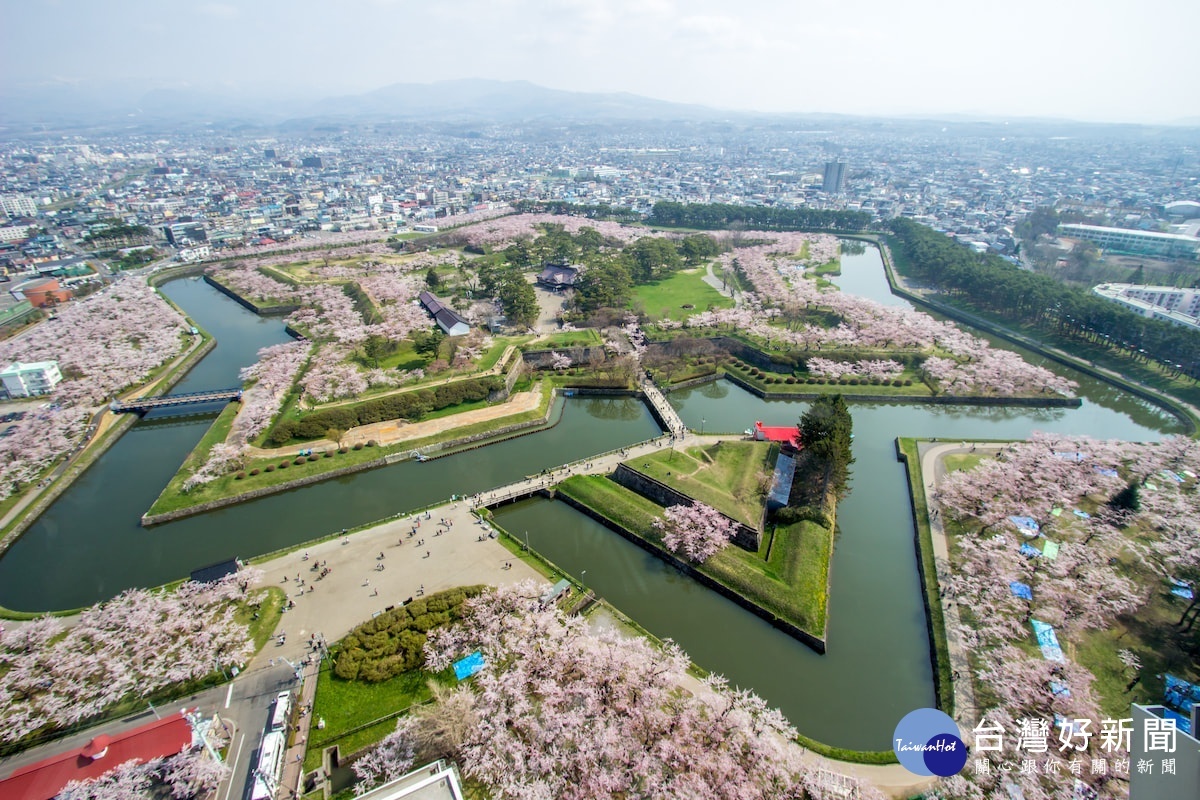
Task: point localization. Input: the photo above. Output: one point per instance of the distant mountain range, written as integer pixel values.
(131, 105)
(471, 100)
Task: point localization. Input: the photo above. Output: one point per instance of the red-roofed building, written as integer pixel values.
(784, 434)
(46, 778)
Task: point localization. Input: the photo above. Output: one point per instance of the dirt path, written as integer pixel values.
(397, 431)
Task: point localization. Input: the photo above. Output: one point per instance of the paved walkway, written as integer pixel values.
(666, 411)
(933, 471)
(728, 291)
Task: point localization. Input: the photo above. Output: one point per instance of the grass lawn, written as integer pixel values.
(828, 268)
(962, 461)
(728, 476)
(667, 297)
(916, 389)
(227, 485)
(349, 705)
(937, 621)
(406, 357)
(1151, 634)
(788, 577)
(216, 433)
(270, 611)
(580, 338)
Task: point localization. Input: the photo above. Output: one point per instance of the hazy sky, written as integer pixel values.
(1084, 59)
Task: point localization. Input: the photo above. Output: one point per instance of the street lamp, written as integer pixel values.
(702, 423)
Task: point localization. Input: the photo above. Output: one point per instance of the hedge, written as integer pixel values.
(392, 643)
(406, 405)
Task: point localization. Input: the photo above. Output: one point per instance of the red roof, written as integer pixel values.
(787, 434)
(45, 779)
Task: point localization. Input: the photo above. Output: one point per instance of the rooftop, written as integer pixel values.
(46, 778)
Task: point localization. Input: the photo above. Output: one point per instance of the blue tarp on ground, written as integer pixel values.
(1166, 473)
(1026, 525)
(1105, 471)
(1076, 456)
(1047, 641)
(1021, 590)
(466, 667)
(1082, 514)
(1059, 689)
(1180, 694)
(1029, 551)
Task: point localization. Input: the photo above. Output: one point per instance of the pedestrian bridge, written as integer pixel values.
(144, 404)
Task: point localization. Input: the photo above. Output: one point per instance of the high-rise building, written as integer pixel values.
(835, 177)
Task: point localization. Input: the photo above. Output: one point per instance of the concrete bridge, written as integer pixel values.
(144, 404)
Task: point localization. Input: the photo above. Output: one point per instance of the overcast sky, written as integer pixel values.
(1110, 60)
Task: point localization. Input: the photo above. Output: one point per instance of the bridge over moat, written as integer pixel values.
(143, 404)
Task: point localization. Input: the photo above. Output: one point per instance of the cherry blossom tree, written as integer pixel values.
(270, 378)
(1049, 477)
(391, 758)
(192, 773)
(138, 642)
(696, 531)
(563, 712)
(773, 313)
(559, 361)
(103, 344)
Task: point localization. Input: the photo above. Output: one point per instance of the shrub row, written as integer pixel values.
(301, 460)
(408, 405)
(383, 647)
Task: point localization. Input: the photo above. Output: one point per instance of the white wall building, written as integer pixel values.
(13, 233)
(189, 254)
(1180, 306)
(29, 380)
(18, 205)
(1132, 242)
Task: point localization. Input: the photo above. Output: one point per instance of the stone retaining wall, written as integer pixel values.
(711, 377)
(149, 520)
(691, 571)
(516, 429)
(543, 359)
(940, 400)
(264, 311)
(1037, 346)
(746, 537)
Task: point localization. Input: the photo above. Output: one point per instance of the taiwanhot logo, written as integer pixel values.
(928, 742)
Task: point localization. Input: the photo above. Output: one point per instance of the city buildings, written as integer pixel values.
(1135, 242)
(1179, 306)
